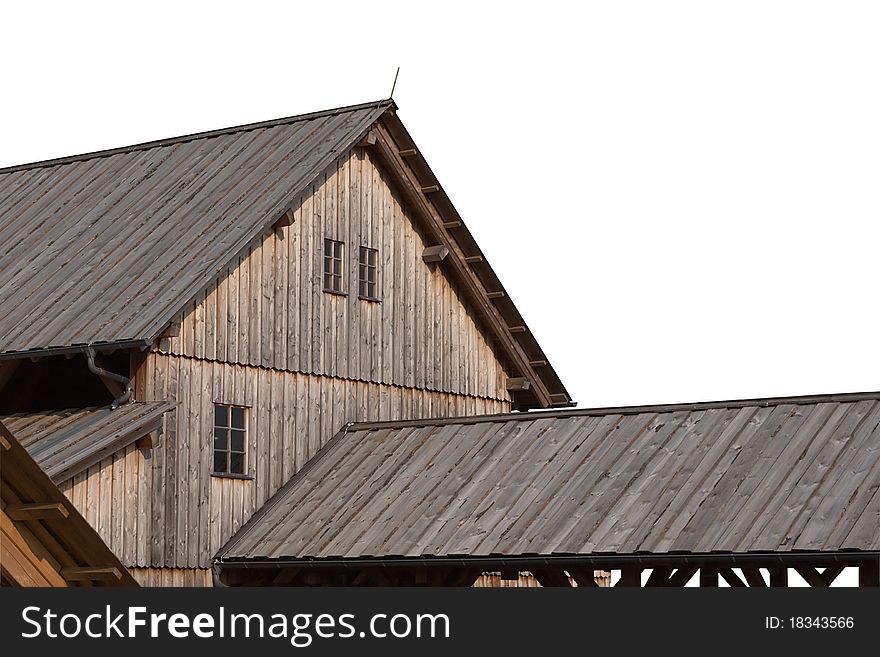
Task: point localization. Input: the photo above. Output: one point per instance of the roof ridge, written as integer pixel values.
(168, 141)
(797, 400)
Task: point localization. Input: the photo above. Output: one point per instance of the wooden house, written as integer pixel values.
(211, 309)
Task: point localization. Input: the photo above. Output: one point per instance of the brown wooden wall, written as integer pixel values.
(268, 309)
(164, 509)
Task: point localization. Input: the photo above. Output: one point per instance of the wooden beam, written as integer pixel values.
(754, 577)
(831, 572)
(5, 444)
(90, 573)
(516, 329)
(285, 220)
(472, 259)
(708, 577)
(731, 577)
(869, 573)
(583, 575)
(810, 575)
(435, 253)
(551, 577)
(451, 224)
(631, 576)
(368, 140)
(518, 384)
(510, 574)
(430, 189)
(778, 576)
(495, 295)
(37, 511)
(407, 152)
(537, 363)
(682, 576)
(659, 576)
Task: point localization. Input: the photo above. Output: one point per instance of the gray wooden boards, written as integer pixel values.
(766, 475)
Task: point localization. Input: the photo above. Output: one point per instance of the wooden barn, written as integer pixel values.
(274, 354)
(258, 288)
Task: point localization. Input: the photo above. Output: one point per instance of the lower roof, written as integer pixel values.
(765, 475)
(67, 442)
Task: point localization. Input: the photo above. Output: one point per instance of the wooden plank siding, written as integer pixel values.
(268, 309)
(163, 509)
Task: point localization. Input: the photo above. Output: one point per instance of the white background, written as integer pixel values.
(681, 197)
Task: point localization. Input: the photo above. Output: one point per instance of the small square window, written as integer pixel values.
(230, 439)
(333, 268)
(368, 273)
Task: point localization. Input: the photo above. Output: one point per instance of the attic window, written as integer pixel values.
(230, 438)
(333, 266)
(367, 269)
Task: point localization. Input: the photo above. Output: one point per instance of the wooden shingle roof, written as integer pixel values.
(771, 475)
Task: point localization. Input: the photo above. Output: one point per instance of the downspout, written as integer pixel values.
(104, 374)
(215, 574)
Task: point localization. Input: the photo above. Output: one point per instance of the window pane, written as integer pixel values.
(220, 438)
(236, 463)
(337, 267)
(238, 417)
(236, 443)
(362, 272)
(372, 259)
(219, 461)
(221, 415)
(337, 251)
(328, 247)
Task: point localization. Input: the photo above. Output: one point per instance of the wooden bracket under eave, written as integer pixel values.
(368, 140)
(285, 220)
(518, 384)
(172, 330)
(37, 511)
(435, 253)
(145, 442)
(90, 573)
(5, 444)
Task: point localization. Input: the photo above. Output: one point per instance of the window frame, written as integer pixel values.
(230, 426)
(368, 268)
(336, 261)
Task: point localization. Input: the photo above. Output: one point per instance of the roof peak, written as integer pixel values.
(157, 143)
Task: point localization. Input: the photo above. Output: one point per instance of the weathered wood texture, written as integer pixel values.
(268, 308)
(162, 508)
(527, 580)
(198, 577)
(23, 557)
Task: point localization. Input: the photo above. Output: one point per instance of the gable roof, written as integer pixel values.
(106, 248)
(65, 443)
(777, 475)
(71, 542)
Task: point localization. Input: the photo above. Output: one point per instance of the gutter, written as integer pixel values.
(605, 561)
